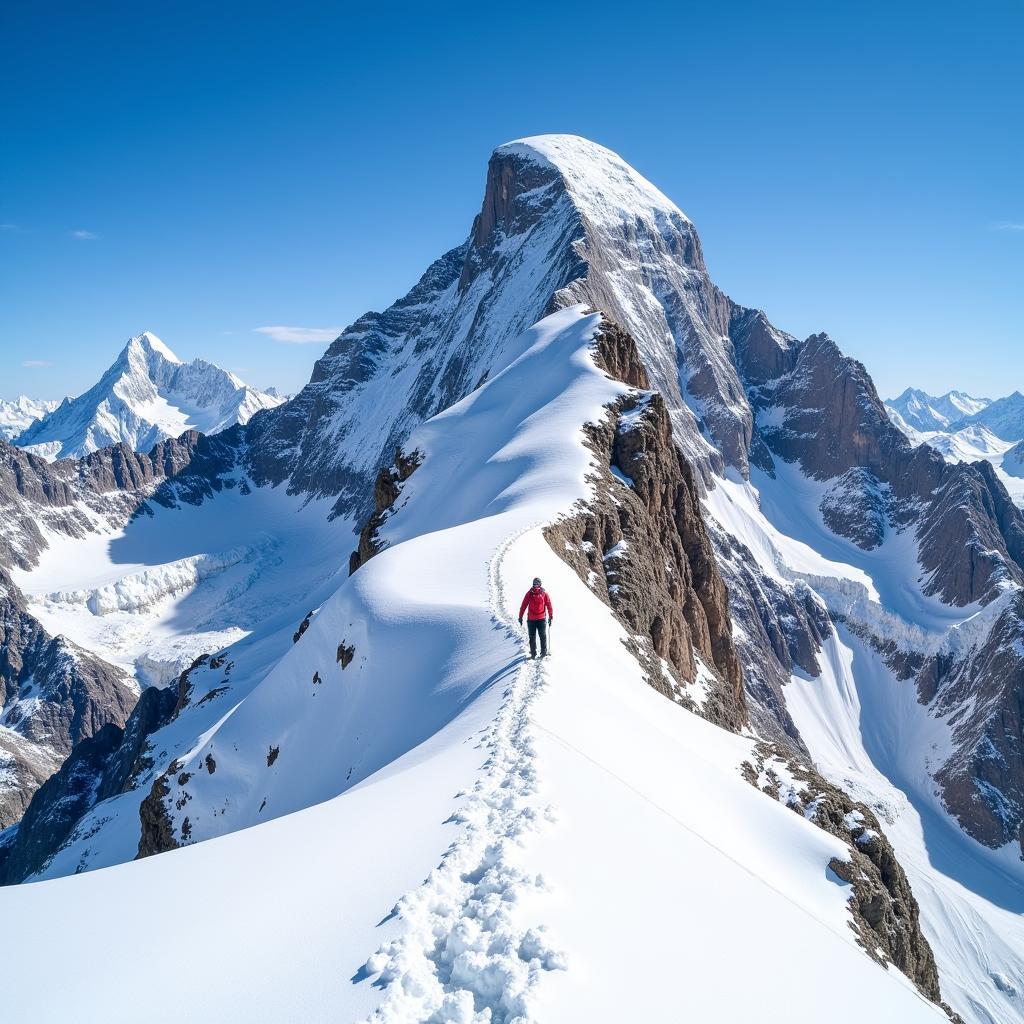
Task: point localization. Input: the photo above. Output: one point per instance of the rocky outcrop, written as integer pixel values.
(157, 829)
(53, 695)
(781, 627)
(106, 764)
(884, 913)
(385, 493)
(822, 411)
(640, 543)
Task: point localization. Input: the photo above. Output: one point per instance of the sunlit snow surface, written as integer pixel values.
(867, 732)
(531, 842)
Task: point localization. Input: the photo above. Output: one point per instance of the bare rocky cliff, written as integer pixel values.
(53, 695)
(641, 544)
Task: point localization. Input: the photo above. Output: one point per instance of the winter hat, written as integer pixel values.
(536, 581)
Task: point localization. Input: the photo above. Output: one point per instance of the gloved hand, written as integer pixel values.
(520, 622)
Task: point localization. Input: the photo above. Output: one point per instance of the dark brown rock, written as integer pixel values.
(645, 549)
(884, 913)
(385, 494)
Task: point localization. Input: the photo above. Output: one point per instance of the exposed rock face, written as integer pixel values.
(56, 806)
(781, 629)
(457, 325)
(157, 831)
(884, 912)
(823, 412)
(641, 545)
(819, 408)
(980, 689)
(52, 696)
(385, 494)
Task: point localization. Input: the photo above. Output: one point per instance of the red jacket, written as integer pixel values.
(538, 602)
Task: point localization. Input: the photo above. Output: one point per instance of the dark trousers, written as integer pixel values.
(536, 626)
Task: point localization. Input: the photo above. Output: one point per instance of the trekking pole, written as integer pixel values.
(550, 648)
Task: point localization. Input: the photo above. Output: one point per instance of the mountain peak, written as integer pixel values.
(147, 395)
(596, 177)
(149, 343)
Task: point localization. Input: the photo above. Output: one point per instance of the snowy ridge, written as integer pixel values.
(462, 953)
(375, 747)
(601, 183)
(924, 412)
(146, 396)
(336, 716)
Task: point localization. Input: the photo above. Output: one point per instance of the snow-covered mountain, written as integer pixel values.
(146, 396)
(988, 434)
(18, 414)
(1004, 417)
(922, 411)
(766, 601)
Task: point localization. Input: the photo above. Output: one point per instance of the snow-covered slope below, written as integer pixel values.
(413, 650)
(18, 414)
(526, 853)
(147, 395)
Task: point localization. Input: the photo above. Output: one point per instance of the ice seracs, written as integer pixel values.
(146, 396)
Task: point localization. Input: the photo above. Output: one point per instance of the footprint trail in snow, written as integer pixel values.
(462, 958)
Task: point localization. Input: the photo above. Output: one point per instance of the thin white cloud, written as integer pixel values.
(10, 227)
(300, 335)
(86, 236)
(35, 364)
(1009, 225)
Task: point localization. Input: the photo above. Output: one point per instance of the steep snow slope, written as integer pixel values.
(868, 732)
(16, 415)
(147, 395)
(500, 810)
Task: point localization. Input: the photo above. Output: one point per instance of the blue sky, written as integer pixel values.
(206, 170)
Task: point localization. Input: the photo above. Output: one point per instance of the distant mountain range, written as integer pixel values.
(962, 428)
(148, 395)
(18, 414)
